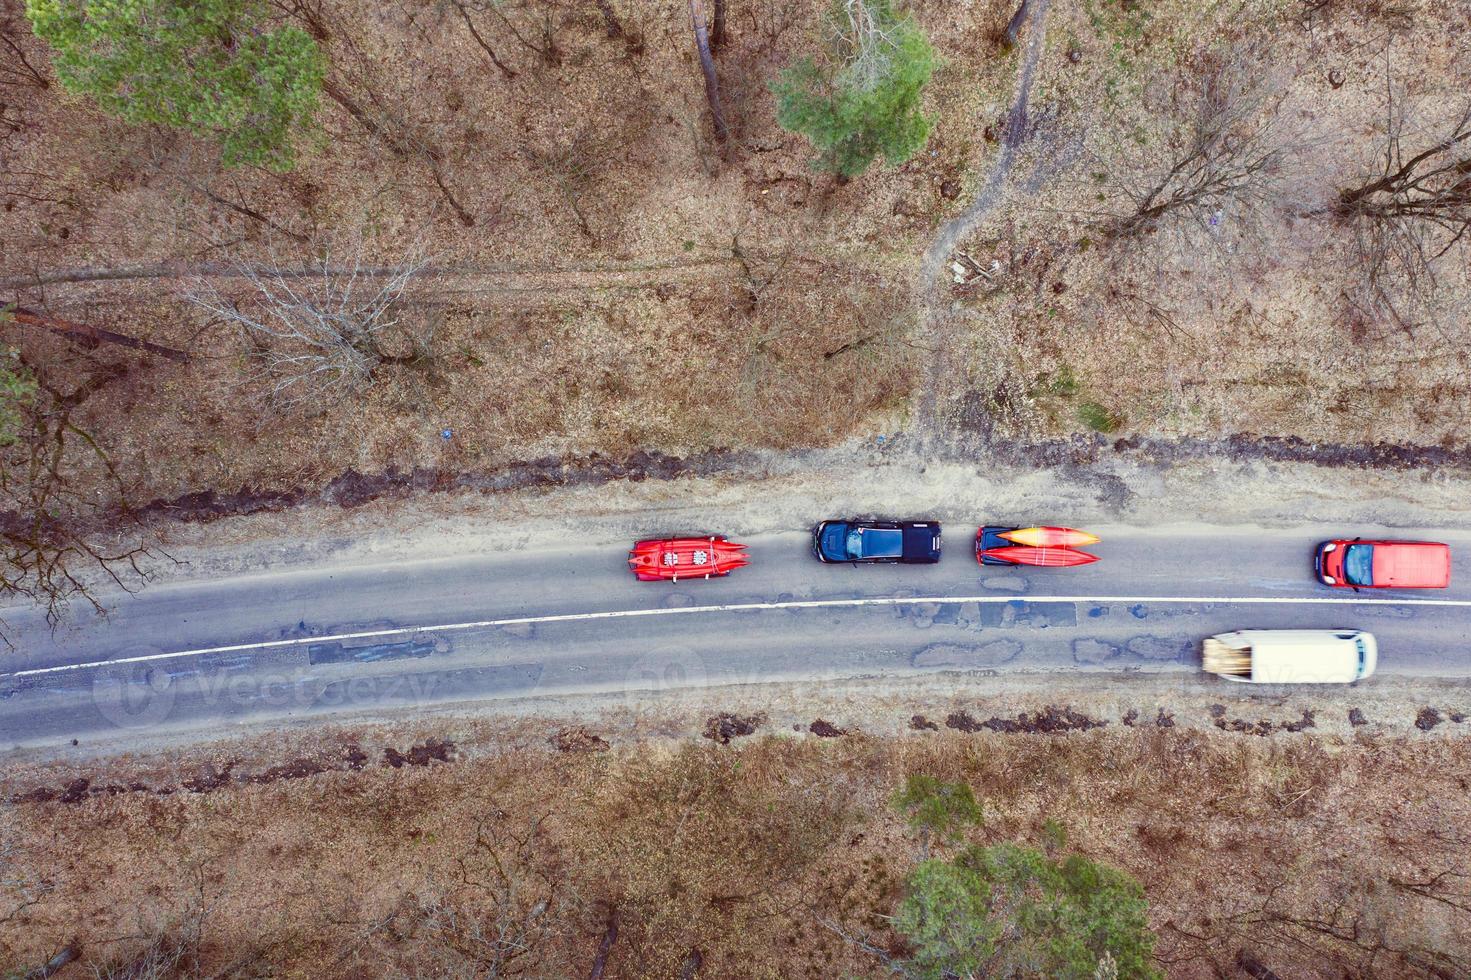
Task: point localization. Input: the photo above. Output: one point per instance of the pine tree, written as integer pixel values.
(212, 67)
(861, 98)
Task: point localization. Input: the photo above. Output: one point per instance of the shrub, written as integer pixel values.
(1098, 418)
(937, 807)
(861, 98)
(1012, 911)
(212, 67)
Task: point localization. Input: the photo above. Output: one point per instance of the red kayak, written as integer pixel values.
(1042, 557)
(1050, 537)
(671, 559)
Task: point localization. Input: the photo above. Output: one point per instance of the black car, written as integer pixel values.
(909, 542)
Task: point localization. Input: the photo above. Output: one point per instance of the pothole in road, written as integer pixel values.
(988, 654)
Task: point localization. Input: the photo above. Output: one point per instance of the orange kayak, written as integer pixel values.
(1050, 537)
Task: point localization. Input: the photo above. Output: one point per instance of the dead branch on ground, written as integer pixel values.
(485, 46)
(64, 956)
(319, 339)
(605, 946)
(86, 333)
(1013, 31)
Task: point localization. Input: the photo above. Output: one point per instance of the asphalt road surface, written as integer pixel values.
(299, 644)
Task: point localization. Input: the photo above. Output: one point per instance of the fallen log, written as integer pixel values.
(86, 332)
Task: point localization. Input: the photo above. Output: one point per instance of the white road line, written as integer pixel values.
(752, 607)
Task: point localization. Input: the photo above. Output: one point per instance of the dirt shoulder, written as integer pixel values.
(1313, 832)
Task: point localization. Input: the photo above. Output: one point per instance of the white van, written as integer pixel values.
(1292, 656)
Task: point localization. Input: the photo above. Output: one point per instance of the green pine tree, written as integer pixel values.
(1011, 911)
(212, 67)
(861, 98)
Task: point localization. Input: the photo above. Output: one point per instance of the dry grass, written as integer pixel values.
(1317, 856)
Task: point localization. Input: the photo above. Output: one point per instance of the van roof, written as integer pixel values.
(1304, 656)
(1412, 564)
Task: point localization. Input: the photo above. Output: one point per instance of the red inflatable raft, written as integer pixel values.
(672, 559)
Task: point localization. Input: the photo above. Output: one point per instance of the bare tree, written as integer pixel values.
(508, 900)
(173, 944)
(633, 40)
(48, 550)
(707, 66)
(402, 141)
(312, 13)
(1412, 209)
(320, 334)
(16, 67)
(541, 42)
(575, 165)
(20, 887)
(717, 25)
(1232, 154)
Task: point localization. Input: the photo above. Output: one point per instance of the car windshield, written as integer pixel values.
(1358, 564)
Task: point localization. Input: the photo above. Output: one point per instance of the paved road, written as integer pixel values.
(293, 644)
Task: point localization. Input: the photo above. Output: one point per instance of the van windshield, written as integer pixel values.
(1358, 564)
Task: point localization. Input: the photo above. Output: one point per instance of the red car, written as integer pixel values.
(671, 559)
(1360, 564)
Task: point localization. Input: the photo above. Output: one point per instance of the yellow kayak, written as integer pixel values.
(1049, 537)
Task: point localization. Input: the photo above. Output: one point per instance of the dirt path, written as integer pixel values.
(442, 279)
(936, 321)
(447, 279)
